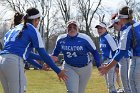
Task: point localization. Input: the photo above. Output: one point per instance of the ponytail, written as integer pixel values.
(24, 26)
(128, 14)
(18, 18)
(130, 17)
(134, 40)
(31, 14)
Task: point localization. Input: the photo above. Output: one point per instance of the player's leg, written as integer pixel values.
(23, 78)
(111, 80)
(13, 72)
(25, 82)
(137, 75)
(131, 75)
(124, 67)
(4, 83)
(85, 73)
(2, 77)
(118, 77)
(73, 79)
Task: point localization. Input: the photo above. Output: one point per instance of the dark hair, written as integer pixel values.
(126, 11)
(17, 18)
(29, 12)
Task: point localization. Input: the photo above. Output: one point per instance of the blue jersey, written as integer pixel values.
(126, 41)
(23, 46)
(76, 49)
(32, 60)
(128, 54)
(108, 46)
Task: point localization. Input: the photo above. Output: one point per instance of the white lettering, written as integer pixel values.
(72, 48)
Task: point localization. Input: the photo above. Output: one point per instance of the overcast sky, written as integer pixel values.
(111, 4)
(108, 4)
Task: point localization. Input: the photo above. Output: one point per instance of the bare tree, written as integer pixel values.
(21, 6)
(86, 9)
(135, 5)
(49, 26)
(43, 5)
(64, 6)
(47, 21)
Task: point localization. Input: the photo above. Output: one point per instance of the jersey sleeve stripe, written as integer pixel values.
(111, 42)
(61, 36)
(123, 39)
(88, 39)
(24, 54)
(40, 41)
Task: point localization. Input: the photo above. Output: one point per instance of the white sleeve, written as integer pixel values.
(111, 42)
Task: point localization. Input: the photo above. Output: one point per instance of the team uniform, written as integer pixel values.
(124, 62)
(126, 43)
(108, 48)
(124, 67)
(76, 55)
(15, 51)
(32, 60)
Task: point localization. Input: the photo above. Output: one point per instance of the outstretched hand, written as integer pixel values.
(46, 67)
(54, 58)
(103, 70)
(62, 75)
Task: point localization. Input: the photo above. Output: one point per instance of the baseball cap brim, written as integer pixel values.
(113, 22)
(97, 26)
(72, 22)
(111, 25)
(101, 25)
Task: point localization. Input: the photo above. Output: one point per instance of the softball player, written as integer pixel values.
(19, 42)
(75, 48)
(18, 18)
(124, 62)
(108, 48)
(130, 39)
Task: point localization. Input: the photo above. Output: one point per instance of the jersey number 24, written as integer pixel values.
(73, 54)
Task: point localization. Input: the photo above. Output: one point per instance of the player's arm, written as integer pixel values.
(118, 56)
(34, 63)
(35, 56)
(123, 49)
(92, 48)
(47, 59)
(56, 51)
(112, 43)
(38, 44)
(96, 56)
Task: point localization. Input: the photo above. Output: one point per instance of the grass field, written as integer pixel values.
(47, 82)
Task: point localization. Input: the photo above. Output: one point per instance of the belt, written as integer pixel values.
(80, 66)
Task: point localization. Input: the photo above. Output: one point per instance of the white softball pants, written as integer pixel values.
(77, 78)
(12, 74)
(124, 68)
(110, 78)
(134, 75)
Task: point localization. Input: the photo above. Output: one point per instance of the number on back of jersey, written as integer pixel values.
(69, 54)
